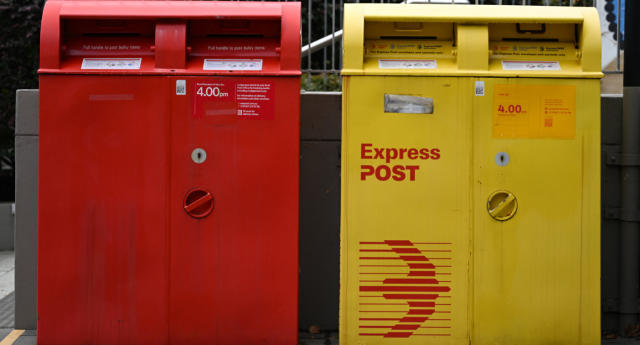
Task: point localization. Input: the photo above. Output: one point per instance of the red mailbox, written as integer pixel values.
(168, 186)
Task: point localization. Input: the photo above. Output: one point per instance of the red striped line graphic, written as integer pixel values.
(410, 288)
(415, 265)
(405, 288)
(422, 273)
(409, 281)
(409, 296)
(422, 304)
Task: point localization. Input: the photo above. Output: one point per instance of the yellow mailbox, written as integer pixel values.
(470, 175)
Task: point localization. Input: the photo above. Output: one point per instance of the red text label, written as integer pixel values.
(393, 172)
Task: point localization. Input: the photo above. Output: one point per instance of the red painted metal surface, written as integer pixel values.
(72, 30)
(139, 241)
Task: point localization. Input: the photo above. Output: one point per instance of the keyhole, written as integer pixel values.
(198, 155)
(502, 159)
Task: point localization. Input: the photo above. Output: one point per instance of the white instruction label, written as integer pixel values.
(115, 63)
(406, 64)
(479, 89)
(513, 65)
(232, 65)
(408, 104)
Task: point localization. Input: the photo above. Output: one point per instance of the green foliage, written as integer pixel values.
(19, 54)
(321, 82)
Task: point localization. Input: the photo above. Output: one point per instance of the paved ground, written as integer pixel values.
(621, 342)
(7, 264)
(318, 339)
(29, 338)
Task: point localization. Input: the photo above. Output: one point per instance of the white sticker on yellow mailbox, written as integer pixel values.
(407, 48)
(407, 64)
(512, 65)
(534, 111)
(408, 104)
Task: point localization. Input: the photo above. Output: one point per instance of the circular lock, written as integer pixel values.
(502, 159)
(198, 203)
(199, 155)
(502, 205)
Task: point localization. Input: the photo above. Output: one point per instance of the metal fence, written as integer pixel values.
(322, 23)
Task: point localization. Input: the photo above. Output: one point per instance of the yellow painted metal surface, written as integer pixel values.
(476, 39)
(470, 189)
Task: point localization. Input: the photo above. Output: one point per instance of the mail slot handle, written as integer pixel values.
(542, 29)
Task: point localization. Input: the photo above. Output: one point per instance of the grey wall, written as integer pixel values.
(26, 236)
(319, 209)
(611, 144)
(7, 225)
(320, 127)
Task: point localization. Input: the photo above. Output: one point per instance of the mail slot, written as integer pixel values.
(168, 182)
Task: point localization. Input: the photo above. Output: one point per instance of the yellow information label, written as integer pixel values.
(534, 111)
(407, 48)
(533, 50)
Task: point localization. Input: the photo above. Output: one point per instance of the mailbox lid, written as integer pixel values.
(449, 40)
(170, 37)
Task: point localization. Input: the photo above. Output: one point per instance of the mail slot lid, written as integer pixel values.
(447, 40)
(167, 37)
(107, 37)
(237, 46)
(89, 45)
(234, 38)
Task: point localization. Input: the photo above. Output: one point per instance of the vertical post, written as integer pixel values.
(309, 40)
(341, 26)
(333, 35)
(324, 50)
(618, 18)
(630, 230)
(26, 235)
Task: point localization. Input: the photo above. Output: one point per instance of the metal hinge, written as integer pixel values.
(616, 213)
(623, 159)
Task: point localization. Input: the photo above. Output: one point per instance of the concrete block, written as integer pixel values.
(319, 234)
(320, 115)
(7, 226)
(26, 235)
(27, 112)
(611, 123)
